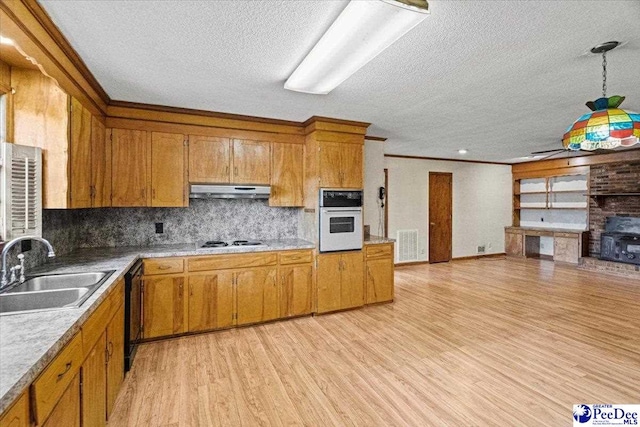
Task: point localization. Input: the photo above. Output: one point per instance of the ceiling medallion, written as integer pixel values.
(607, 126)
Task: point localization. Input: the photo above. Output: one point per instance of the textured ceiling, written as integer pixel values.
(500, 78)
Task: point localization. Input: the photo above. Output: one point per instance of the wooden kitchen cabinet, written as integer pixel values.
(211, 301)
(115, 357)
(80, 177)
(18, 414)
(67, 411)
(341, 165)
(287, 175)
(94, 385)
(340, 281)
(251, 162)
(379, 286)
(209, 159)
(164, 306)
(168, 170)
(295, 290)
(514, 243)
(567, 248)
(130, 154)
(256, 295)
(100, 165)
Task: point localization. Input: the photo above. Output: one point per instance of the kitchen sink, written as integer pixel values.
(60, 281)
(50, 292)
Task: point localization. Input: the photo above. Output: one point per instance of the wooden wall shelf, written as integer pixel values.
(599, 197)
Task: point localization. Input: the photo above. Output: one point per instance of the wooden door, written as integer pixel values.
(251, 162)
(210, 301)
(115, 357)
(513, 244)
(18, 414)
(352, 280)
(566, 249)
(256, 295)
(130, 167)
(209, 159)
(168, 169)
(379, 280)
(328, 282)
(94, 385)
(67, 411)
(163, 306)
(351, 162)
(296, 284)
(287, 175)
(80, 156)
(330, 167)
(440, 216)
(100, 165)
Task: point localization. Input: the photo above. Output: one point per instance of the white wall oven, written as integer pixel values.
(340, 220)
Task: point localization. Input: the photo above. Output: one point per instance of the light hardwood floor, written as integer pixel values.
(489, 342)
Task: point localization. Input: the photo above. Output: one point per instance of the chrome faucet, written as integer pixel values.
(5, 281)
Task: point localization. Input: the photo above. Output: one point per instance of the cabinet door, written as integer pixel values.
(379, 280)
(168, 170)
(296, 284)
(287, 177)
(115, 355)
(100, 165)
(513, 244)
(251, 162)
(209, 159)
(330, 164)
(329, 269)
(129, 166)
(210, 301)
(566, 249)
(163, 306)
(352, 280)
(256, 295)
(94, 385)
(351, 166)
(67, 411)
(18, 414)
(80, 156)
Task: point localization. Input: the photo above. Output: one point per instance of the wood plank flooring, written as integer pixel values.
(469, 343)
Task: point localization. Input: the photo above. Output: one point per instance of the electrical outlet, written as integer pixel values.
(159, 227)
(481, 249)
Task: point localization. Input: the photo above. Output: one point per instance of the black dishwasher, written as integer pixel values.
(132, 313)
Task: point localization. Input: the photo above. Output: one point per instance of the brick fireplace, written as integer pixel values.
(611, 178)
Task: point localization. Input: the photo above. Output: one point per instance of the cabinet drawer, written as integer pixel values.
(569, 235)
(226, 261)
(379, 251)
(296, 257)
(538, 233)
(52, 383)
(163, 266)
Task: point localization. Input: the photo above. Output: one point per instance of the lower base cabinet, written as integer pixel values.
(163, 306)
(18, 415)
(295, 290)
(256, 295)
(340, 281)
(211, 301)
(115, 357)
(94, 385)
(67, 411)
(379, 274)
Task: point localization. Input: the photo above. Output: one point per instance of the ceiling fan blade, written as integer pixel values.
(554, 154)
(549, 151)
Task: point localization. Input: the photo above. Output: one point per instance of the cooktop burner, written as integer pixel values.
(215, 244)
(222, 244)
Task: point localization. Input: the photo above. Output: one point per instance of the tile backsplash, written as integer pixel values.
(204, 219)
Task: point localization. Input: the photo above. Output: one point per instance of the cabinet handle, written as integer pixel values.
(153, 193)
(164, 267)
(106, 356)
(226, 170)
(66, 369)
(110, 348)
(235, 171)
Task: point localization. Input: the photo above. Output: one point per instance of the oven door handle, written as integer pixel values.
(345, 211)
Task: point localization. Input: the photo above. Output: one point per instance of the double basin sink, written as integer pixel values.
(52, 291)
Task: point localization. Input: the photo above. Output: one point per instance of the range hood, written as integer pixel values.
(208, 191)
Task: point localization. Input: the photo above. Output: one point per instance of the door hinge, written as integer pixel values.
(186, 142)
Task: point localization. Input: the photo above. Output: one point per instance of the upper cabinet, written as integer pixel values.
(209, 159)
(251, 162)
(70, 136)
(168, 170)
(341, 165)
(287, 175)
(130, 168)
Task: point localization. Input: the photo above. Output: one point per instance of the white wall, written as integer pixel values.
(481, 202)
(373, 179)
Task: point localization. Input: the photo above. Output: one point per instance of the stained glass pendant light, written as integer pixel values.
(607, 126)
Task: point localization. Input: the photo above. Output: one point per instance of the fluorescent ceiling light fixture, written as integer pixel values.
(361, 32)
(462, 151)
(5, 40)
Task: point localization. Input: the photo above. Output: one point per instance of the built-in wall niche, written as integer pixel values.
(553, 202)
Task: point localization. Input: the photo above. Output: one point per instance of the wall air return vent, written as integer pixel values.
(407, 245)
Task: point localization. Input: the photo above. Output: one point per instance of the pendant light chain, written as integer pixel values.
(604, 74)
